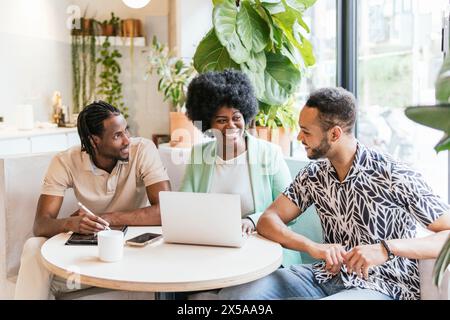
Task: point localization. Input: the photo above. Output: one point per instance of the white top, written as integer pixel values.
(233, 177)
(164, 267)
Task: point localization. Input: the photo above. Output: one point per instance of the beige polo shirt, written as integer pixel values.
(100, 191)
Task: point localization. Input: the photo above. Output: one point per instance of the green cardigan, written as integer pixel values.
(269, 174)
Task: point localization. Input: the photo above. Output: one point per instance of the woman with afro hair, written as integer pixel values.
(235, 162)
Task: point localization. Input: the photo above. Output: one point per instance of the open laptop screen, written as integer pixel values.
(201, 218)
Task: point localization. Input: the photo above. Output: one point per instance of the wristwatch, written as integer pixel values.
(389, 252)
(251, 220)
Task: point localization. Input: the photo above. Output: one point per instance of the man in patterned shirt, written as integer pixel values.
(368, 206)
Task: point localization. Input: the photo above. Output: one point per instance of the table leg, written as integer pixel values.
(164, 295)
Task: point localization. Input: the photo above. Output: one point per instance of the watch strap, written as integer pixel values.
(388, 249)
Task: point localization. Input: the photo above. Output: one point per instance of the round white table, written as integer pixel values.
(164, 267)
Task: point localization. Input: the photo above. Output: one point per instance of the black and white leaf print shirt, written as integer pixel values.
(379, 199)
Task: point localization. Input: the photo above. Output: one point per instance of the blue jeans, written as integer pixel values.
(297, 282)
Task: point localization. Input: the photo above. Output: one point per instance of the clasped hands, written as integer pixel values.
(357, 260)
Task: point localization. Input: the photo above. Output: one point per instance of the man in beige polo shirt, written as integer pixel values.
(113, 175)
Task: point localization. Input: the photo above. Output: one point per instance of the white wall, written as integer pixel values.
(148, 113)
(35, 58)
(195, 20)
(101, 9)
(34, 55)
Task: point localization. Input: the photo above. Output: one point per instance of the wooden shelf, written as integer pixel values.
(122, 41)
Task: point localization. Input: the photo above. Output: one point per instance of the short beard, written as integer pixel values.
(114, 157)
(321, 150)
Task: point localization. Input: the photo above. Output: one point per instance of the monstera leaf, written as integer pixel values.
(212, 56)
(437, 116)
(252, 29)
(225, 20)
(265, 39)
(443, 82)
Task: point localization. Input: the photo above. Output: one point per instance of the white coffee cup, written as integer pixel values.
(110, 245)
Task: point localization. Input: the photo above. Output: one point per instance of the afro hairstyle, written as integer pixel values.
(210, 91)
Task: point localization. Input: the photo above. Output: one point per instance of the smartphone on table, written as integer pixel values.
(143, 239)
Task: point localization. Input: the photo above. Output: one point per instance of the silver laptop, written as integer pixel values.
(201, 218)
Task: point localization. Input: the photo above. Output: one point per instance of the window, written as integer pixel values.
(399, 56)
(322, 20)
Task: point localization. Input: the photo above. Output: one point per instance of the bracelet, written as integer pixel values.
(389, 252)
(254, 225)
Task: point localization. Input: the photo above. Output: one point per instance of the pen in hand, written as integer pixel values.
(105, 223)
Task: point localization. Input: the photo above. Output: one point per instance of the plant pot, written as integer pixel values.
(131, 28)
(280, 136)
(183, 133)
(108, 30)
(86, 27)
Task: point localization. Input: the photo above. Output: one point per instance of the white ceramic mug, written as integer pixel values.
(110, 245)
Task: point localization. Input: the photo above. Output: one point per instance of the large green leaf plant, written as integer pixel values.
(266, 40)
(438, 117)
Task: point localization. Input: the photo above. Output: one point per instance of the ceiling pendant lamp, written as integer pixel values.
(136, 4)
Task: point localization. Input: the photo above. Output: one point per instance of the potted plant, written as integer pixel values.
(84, 67)
(111, 27)
(110, 86)
(132, 28)
(265, 40)
(438, 117)
(174, 78)
(277, 123)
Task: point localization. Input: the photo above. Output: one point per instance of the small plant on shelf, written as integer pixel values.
(278, 116)
(84, 67)
(175, 74)
(110, 88)
(111, 27)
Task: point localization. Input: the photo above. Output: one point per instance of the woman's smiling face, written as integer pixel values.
(230, 122)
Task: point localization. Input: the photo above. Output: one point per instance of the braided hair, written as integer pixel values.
(90, 122)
